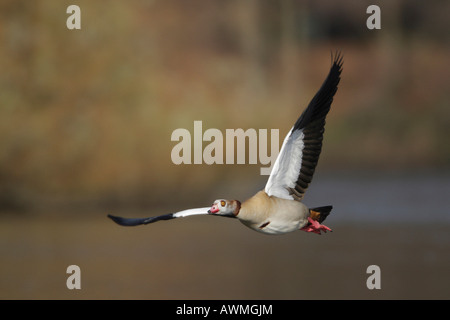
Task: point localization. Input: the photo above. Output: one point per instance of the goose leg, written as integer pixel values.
(315, 227)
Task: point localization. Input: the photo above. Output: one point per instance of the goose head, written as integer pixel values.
(226, 208)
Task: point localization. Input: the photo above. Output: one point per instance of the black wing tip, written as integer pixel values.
(114, 218)
(337, 63)
(131, 222)
(126, 221)
(320, 104)
(337, 59)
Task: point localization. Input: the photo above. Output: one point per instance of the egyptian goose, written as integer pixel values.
(278, 208)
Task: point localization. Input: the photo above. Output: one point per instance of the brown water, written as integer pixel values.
(205, 257)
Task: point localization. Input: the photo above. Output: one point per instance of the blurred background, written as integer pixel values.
(86, 118)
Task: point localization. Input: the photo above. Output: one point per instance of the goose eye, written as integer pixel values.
(222, 203)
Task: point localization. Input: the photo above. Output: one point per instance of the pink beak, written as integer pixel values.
(214, 208)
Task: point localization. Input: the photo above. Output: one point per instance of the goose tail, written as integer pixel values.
(320, 213)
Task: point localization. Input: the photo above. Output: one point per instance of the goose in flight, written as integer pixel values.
(278, 208)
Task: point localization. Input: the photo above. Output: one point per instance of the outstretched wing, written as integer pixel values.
(294, 168)
(129, 222)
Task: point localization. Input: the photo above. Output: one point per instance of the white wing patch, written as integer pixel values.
(191, 212)
(286, 169)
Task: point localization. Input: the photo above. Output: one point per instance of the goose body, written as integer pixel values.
(278, 208)
(273, 215)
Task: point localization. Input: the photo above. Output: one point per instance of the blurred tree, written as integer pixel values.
(252, 43)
